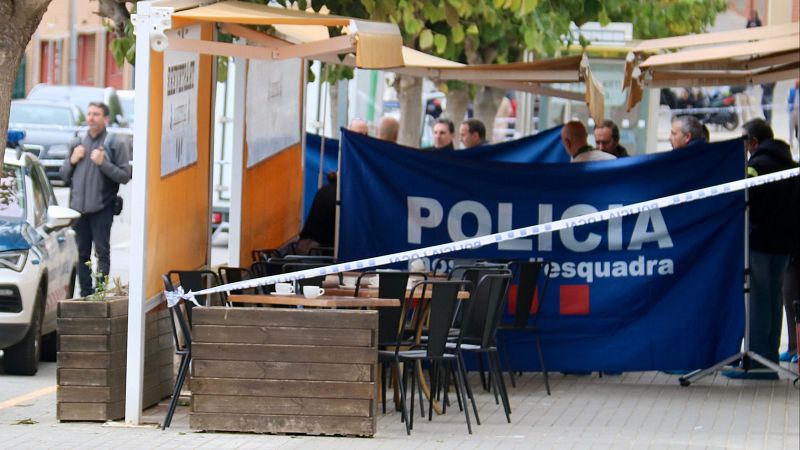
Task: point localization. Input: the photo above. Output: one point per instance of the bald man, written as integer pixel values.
(575, 139)
(359, 126)
(388, 129)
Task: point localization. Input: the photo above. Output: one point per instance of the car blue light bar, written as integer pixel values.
(14, 136)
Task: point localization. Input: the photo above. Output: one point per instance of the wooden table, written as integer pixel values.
(335, 300)
(372, 292)
(286, 370)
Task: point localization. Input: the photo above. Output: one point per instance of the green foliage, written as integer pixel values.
(100, 283)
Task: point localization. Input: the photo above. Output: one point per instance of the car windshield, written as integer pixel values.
(12, 193)
(80, 96)
(40, 114)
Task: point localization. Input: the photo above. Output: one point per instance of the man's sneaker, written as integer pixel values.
(753, 374)
(787, 356)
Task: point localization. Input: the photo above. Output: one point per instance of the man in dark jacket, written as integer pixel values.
(774, 211)
(95, 168)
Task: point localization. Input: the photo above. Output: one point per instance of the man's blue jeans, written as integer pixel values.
(766, 302)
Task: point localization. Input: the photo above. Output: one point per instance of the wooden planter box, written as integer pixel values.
(275, 370)
(92, 343)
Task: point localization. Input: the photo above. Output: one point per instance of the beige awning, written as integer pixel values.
(731, 58)
(376, 45)
(720, 37)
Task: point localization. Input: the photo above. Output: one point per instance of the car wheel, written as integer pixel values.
(22, 358)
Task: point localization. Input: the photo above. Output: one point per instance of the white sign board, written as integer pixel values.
(179, 113)
(273, 108)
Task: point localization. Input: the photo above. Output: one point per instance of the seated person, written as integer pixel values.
(320, 227)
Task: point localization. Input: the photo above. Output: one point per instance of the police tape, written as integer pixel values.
(477, 242)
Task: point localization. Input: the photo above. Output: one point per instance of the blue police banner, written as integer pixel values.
(656, 290)
(313, 151)
(543, 147)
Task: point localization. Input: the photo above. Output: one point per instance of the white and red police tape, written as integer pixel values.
(477, 242)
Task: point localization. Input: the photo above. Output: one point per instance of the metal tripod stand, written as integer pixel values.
(745, 355)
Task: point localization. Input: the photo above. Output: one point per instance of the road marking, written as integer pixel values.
(29, 396)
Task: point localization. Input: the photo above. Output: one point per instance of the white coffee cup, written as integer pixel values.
(312, 291)
(349, 281)
(374, 281)
(284, 288)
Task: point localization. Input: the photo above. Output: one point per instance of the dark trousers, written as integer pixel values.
(93, 228)
(766, 302)
(791, 294)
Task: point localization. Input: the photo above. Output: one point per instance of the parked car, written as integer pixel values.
(126, 100)
(38, 259)
(50, 128)
(82, 96)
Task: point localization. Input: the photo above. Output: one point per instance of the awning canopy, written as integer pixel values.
(729, 58)
(376, 45)
(524, 76)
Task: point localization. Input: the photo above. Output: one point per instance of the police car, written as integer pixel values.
(38, 259)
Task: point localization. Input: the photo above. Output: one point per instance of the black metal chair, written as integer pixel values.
(440, 307)
(533, 281)
(390, 285)
(180, 313)
(264, 254)
(196, 280)
(298, 266)
(233, 275)
(478, 331)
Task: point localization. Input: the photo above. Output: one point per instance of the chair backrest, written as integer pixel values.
(484, 309)
(473, 272)
(264, 254)
(180, 319)
(196, 280)
(234, 274)
(390, 285)
(321, 251)
(442, 305)
(531, 275)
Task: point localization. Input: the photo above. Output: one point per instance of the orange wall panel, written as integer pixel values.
(178, 204)
(272, 192)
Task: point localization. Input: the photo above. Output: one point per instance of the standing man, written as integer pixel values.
(774, 220)
(472, 133)
(685, 130)
(388, 129)
(443, 132)
(606, 139)
(95, 168)
(574, 137)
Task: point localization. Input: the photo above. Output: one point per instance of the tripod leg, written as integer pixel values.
(697, 374)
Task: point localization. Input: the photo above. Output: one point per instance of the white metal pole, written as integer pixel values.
(137, 287)
(237, 160)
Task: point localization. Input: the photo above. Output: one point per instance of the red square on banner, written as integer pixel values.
(512, 300)
(574, 299)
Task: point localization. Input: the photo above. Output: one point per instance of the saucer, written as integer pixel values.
(278, 293)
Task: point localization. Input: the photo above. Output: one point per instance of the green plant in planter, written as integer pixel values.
(104, 289)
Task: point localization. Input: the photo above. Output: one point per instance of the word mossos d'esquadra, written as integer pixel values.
(650, 227)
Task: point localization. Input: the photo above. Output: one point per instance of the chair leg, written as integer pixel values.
(484, 381)
(494, 361)
(401, 384)
(383, 386)
(490, 380)
(463, 394)
(176, 392)
(541, 362)
(434, 377)
(413, 386)
(504, 349)
(462, 372)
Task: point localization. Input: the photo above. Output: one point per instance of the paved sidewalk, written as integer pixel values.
(635, 410)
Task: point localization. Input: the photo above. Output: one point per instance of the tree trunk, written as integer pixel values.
(487, 100)
(333, 97)
(18, 26)
(409, 91)
(457, 101)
